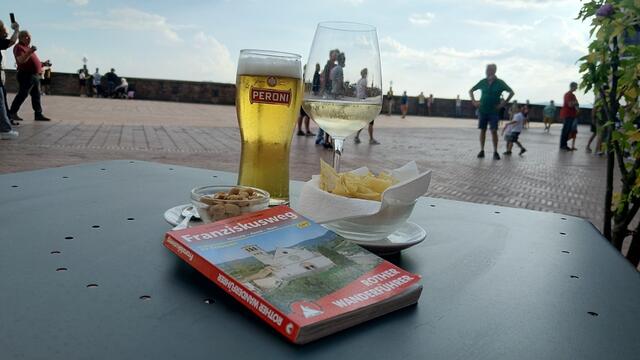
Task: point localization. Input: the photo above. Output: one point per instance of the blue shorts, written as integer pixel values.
(491, 119)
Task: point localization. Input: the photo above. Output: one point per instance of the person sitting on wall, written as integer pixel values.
(122, 89)
(131, 92)
(112, 81)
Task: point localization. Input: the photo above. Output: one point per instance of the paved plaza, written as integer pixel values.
(207, 136)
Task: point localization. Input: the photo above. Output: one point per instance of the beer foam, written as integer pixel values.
(257, 64)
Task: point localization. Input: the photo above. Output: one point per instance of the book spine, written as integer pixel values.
(257, 305)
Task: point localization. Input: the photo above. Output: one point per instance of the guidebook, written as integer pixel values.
(302, 279)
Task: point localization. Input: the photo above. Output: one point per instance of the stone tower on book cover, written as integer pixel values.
(259, 254)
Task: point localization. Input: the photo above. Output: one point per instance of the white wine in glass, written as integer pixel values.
(343, 82)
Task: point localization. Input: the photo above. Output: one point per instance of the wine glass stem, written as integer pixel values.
(337, 152)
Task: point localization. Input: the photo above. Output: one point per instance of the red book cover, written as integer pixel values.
(289, 271)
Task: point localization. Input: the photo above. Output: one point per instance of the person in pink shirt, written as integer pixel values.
(28, 74)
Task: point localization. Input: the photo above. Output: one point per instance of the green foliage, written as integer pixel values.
(611, 69)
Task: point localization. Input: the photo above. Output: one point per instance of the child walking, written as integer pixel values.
(514, 127)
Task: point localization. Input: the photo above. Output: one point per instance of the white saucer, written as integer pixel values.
(174, 215)
(406, 236)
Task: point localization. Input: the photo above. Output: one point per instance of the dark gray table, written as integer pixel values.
(83, 275)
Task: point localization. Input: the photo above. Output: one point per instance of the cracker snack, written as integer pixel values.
(367, 187)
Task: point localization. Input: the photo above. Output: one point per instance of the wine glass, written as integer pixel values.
(342, 80)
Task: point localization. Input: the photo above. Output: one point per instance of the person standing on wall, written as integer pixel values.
(46, 80)
(404, 104)
(422, 107)
(526, 108)
(82, 82)
(390, 100)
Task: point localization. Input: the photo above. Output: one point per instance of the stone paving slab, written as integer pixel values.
(206, 136)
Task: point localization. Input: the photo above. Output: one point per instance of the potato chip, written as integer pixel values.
(341, 189)
(368, 187)
(375, 184)
(328, 177)
(351, 182)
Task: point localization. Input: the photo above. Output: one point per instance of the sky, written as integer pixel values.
(286, 237)
(440, 47)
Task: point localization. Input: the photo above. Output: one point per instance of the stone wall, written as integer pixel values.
(447, 108)
(224, 94)
(147, 89)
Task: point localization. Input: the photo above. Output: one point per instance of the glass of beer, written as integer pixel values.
(343, 81)
(268, 98)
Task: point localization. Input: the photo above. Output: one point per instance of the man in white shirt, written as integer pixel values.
(361, 86)
(337, 77)
(97, 88)
(422, 108)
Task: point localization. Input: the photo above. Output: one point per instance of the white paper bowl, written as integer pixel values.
(373, 227)
(365, 220)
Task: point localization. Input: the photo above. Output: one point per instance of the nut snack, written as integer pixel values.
(220, 202)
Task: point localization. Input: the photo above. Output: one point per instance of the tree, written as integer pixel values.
(612, 70)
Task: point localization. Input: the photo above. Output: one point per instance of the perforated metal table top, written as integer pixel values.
(83, 275)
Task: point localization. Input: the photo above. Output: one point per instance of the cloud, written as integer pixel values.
(78, 2)
(422, 19)
(196, 56)
(505, 28)
(62, 55)
(472, 54)
(551, 37)
(135, 20)
(447, 71)
(201, 57)
(211, 60)
(527, 4)
(443, 57)
(123, 19)
(573, 37)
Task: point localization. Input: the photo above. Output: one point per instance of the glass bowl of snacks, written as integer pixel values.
(219, 202)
